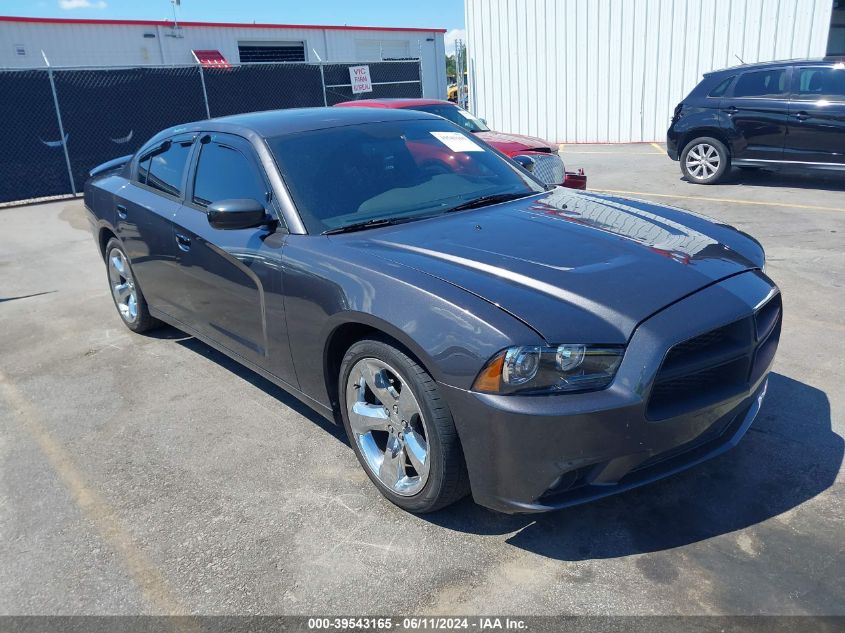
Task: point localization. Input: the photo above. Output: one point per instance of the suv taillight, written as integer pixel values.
(678, 111)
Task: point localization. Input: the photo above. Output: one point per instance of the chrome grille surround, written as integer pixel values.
(548, 168)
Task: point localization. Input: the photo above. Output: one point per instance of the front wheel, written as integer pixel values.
(400, 428)
(705, 160)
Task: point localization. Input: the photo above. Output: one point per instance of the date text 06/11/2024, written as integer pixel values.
(417, 623)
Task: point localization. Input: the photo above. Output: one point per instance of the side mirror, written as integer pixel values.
(483, 120)
(238, 213)
(526, 162)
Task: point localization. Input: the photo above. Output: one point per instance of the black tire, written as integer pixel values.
(138, 318)
(447, 479)
(713, 165)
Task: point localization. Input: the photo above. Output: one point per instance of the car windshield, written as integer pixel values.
(456, 115)
(399, 170)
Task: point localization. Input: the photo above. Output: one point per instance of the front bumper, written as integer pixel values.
(538, 453)
(575, 180)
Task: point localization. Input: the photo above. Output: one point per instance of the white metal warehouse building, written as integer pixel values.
(613, 70)
(67, 42)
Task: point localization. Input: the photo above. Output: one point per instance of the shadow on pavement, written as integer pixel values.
(252, 378)
(824, 181)
(789, 456)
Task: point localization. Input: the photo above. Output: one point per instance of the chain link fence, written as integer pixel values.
(57, 124)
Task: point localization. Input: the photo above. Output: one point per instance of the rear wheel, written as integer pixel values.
(127, 296)
(400, 428)
(705, 160)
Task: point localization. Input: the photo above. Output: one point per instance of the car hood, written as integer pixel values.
(575, 267)
(514, 143)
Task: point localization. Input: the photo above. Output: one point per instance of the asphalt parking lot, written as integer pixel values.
(150, 474)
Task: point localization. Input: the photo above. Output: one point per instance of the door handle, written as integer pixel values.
(183, 242)
(801, 116)
(731, 110)
(121, 211)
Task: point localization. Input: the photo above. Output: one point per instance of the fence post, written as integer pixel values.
(204, 92)
(61, 129)
(420, 62)
(323, 81)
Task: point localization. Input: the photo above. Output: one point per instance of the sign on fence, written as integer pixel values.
(360, 78)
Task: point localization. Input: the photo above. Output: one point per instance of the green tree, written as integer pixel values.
(450, 64)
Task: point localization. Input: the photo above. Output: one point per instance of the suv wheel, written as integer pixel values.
(705, 160)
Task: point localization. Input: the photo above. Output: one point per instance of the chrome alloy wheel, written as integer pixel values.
(123, 286)
(388, 426)
(703, 161)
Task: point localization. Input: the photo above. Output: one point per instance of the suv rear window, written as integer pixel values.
(762, 83)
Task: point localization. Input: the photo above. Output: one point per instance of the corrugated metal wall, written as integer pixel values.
(613, 70)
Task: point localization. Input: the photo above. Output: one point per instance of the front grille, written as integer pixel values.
(548, 168)
(718, 431)
(716, 365)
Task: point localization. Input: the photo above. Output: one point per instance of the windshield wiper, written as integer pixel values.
(483, 201)
(369, 224)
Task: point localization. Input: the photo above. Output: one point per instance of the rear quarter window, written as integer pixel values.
(721, 88)
(143, 169)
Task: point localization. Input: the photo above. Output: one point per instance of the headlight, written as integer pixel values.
(535, 369)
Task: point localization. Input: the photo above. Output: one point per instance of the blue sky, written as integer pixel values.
(443, 14)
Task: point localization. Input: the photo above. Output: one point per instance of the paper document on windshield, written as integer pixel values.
(457, 142)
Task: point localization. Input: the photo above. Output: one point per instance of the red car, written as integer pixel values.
(547, 163)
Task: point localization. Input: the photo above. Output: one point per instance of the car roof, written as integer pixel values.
(773, 64)
(271, 123)
(392, 103)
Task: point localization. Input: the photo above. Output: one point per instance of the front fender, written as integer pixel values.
(326, 286)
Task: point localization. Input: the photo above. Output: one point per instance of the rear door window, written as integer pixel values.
(770, 83)
(820, 82)
(163, 166)
(166, 168)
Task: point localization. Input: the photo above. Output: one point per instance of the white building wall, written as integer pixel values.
(613, 70)
(67, 44)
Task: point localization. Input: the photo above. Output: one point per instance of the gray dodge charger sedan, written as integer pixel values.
(471, 329)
